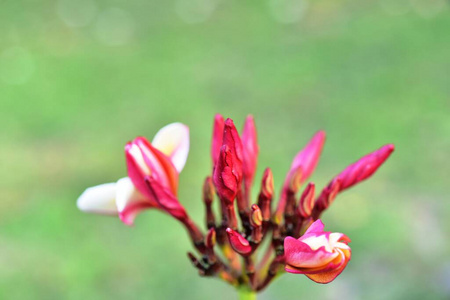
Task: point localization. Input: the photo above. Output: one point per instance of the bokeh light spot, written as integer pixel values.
(428, 8)
(288, 11)
(115, 27)
(395, 7)
(76, 13)
(195, 11)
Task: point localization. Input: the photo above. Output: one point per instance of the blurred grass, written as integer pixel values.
(368, 72)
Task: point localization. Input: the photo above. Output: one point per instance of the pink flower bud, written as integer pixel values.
(251, 149)
(217, 137)
(302, 167)
(308, 157)
(306, 203)
(353, 174)
(364, 167)
(320, 255)
(238, 242)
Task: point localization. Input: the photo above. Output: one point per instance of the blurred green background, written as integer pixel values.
(80, 78)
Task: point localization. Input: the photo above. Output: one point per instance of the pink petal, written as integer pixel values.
(145, 160)
(316, 227)
(332, 272)
(165, 198)
(300, 255)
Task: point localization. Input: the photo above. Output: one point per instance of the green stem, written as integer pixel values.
(246, 294)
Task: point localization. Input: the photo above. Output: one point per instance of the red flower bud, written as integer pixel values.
(238, 242)
(228, 170)
(353, 174)
(364, 167)
(217, 137)
(295, 180)
(306, 203)
(251, 149)
(210, 239)
(327, 197)
(231, 139)
(256, 216)
(266, 194)
(267, 184)
(208, 191)
(226, 179)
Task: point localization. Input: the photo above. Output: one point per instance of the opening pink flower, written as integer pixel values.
(159, 162)
(318, 254)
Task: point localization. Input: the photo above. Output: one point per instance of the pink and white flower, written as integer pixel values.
(152, 181)
(318, 254)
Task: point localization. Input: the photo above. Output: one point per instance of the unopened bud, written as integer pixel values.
(217, 137)
(267, 184)
(251, 149)
(238, 242)
(210, 239)
(208, 190)
(256, 216)
(225, 179)
(295, 180)
(329, 194)
(306, 203)
(266, 194)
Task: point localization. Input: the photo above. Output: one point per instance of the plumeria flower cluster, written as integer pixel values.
(236, 225)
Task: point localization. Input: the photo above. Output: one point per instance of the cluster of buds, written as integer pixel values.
(297, 242)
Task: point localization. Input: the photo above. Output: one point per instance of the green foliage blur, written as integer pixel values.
(78, 79)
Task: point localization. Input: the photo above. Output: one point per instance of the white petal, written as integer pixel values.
(129, 201)
(127, 194)
(173, 141)
(316, 242)
(99, 199)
